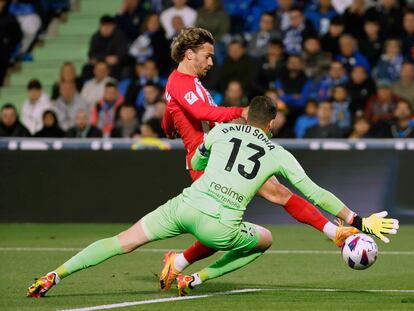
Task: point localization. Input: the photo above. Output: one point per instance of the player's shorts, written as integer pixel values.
(176, 217)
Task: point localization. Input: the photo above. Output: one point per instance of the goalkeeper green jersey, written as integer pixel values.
(238, 160)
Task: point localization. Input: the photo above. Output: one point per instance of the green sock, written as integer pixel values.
(92, 255)
(227, 263)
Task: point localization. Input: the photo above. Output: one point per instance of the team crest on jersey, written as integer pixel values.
(190, 97)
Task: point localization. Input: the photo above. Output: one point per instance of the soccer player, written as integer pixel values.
(238, 160)
(191, 113)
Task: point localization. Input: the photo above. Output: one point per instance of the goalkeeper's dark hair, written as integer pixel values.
(262, 110)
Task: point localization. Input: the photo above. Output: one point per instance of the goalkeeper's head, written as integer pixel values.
(262, 113)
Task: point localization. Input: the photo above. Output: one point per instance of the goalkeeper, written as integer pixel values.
(238, 160)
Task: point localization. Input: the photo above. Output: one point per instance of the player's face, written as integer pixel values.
(202, 60)
(81, 119)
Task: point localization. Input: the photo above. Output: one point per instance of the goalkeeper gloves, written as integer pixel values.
(376, 225)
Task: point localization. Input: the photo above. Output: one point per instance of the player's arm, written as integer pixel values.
(201, 155)
(376, 224)
(190, 101)
(168, 125)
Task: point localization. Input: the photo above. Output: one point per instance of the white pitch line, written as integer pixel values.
(160, 300)
(163, 250)
(233, 292)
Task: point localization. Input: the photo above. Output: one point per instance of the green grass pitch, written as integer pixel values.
(291, 277)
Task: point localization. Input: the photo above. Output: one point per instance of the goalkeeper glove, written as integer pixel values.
(376, 225)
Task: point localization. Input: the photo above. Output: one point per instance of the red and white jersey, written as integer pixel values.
(191, 111)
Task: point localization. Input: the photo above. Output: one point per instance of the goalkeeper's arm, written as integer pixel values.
(200, 158)
(375, 224)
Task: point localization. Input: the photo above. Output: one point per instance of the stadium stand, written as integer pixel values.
(336, 52)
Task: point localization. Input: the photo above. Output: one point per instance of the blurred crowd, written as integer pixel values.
(335, 68)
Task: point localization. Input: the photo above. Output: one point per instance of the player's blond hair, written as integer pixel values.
(189, 38)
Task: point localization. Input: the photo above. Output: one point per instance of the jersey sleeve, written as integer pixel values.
(201, 155)
(167, 124)
(290, 169)
(190, 100)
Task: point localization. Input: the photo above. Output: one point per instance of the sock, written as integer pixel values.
(196, 280)
(180, 263)
(227, 263)
(304, 212)
(330, 230)
(92, 255)
(197, 251)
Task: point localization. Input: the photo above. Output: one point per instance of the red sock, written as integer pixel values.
(303, 211)
(198, 251)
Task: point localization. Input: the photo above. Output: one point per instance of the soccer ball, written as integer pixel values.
(359, 251)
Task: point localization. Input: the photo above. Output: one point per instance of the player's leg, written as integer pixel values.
(252, 241)
(159, 224)
(274, 192)
(303, 211)
(175, 263)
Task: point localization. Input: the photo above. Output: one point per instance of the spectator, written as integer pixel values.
(341, 5)
(214, 18)
(308, 119)
(370, 44)
(408, 35)
(82, 128)
(354, 17)
(270, 66)
(257, 46)
(34, 106)
(10, 36)
(349, 55)
(130, 17)
(237, 66)
(293, 86)
(360, 129)
(399, 126)
(144, 73)
(151, 128)
(160, 107)
(280, 126)
(360, 87)
(152, 44)
(341, 114)
(67, 74)
(108, 44)
(389, 65)
(335, 76)
(316, 62)
(179, 8)
(68, 104)
(389, 15)
(233, 96)
(404, 87)
(320, 16)
(298, 30)
(381, 105)
(325, 128)
(282, 14)
(104, 113)
(177, 25)
(150, 96)
(330, 41)
(93, 90)
(10, 125)
(127, 125)
(29, 21)
(50, 126)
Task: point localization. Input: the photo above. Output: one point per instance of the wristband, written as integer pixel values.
(357, 222)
